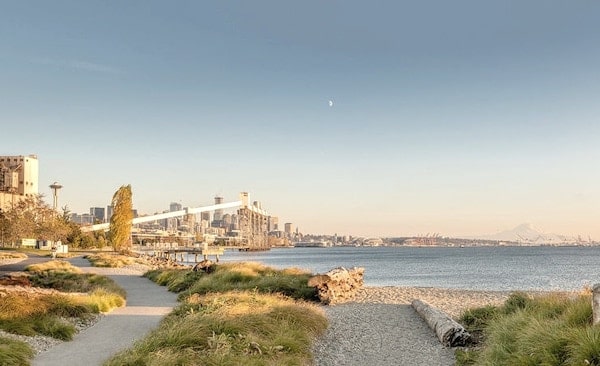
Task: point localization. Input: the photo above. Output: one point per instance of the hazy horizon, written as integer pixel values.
(460, 118)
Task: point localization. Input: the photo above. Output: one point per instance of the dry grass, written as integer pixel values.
(12, 255)
(53, 266)
(111, 260)
(233, 328)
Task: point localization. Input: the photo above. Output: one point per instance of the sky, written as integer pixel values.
(462, 118)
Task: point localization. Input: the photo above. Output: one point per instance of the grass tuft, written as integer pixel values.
(254, 276)
(234, 328)
(15, 353)
(12, 255)
(52, 266)
(553, 329)
(111, 260)
(31, 314)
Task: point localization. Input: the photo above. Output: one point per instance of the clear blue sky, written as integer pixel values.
(457, 117)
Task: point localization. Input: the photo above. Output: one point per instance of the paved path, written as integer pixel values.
(147, 304)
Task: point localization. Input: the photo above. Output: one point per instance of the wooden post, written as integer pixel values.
(596, 303)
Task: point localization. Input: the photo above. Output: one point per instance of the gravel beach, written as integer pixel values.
(381, 328)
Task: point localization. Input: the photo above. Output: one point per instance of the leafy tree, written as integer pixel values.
(120, 221)
(31, 218)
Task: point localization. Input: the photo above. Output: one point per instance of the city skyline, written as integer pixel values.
(387, 119)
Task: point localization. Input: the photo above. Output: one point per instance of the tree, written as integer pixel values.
(120, 221)
(31, 218)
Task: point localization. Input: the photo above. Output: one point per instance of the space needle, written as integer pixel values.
(55, 187)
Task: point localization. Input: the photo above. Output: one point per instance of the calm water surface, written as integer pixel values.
(479, 268)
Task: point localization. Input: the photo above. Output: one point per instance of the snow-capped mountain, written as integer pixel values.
(527, 233)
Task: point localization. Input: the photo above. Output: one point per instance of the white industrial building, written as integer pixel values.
(18, 178)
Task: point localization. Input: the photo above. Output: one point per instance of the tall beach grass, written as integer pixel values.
(551, 329)
(239, 314)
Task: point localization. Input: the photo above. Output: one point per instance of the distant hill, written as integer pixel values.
(527, 233)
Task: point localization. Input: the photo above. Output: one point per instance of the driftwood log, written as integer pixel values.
(449, 332)
(338, 285)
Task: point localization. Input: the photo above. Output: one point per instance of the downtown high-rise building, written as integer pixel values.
(98, 213)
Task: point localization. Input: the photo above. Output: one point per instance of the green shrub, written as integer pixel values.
(15, 353)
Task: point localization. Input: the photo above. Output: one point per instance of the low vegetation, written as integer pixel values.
(553, 329)
(240, 314)
(102, 292)
(111, 260)
(237, 276)
(14, 353)
(51, 267)
(30, 315)
(12, 255)
(53, 313)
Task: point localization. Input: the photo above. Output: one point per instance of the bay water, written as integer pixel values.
(475, 268)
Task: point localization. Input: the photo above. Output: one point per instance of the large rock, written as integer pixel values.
(338, 285)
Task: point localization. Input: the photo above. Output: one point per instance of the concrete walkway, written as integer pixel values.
(147, 304)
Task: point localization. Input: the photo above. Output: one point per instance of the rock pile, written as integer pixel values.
(338, 285)
(159, 262)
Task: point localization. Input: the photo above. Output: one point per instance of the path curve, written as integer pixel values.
(147, 304)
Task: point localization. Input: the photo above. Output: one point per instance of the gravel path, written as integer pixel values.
(379, 335)
(147, 304)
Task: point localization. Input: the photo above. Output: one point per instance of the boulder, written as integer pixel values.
(338, 285)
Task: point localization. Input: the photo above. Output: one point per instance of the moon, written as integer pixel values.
(331, 103)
